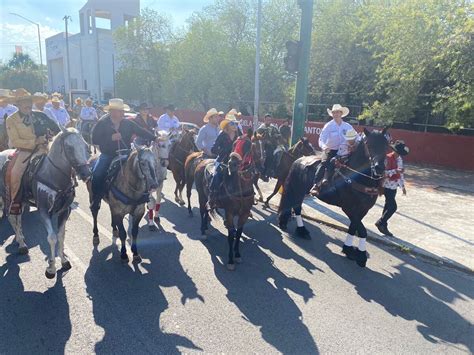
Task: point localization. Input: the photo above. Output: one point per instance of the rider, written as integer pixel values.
(331, 139)
(222, 149)
(145, 121)
(271, 133)
(285, 132)
(6, 109)
(112, 133)
(27, 132)
(208, 133)
(77, 108)
(60, 114)
(88, 116)
(237, 114)
(39, 101)
(168, 121)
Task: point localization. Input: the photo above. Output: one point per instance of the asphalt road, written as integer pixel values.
(289, 295)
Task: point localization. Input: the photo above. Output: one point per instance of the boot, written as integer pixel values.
(382, 227)
(349, 252)
(360, 257)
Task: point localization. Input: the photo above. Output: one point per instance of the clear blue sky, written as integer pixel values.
(49, 14)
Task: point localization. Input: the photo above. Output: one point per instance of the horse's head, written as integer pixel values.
(376, 148)
(162, 147)
(71, 145)
(305, 147)
(258, 150)
(144, 164)
(188, 138)
(234, 163)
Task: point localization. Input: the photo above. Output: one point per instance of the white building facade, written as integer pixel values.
(92, 54)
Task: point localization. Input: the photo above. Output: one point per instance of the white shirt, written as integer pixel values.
(88, 114)
(61, 116)
(343, 150)
(332, 135)
(394, 184)
(167, 123)
(7, 111)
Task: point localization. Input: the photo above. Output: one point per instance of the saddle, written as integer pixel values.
(114, 169)
(30, 172)
(310, 160)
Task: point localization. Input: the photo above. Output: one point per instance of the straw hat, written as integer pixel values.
(5, 94)
(234, 113)
(228, 119)
(210, 113)
(350, 135)
(337, 107)
(78, 100)
(56, 94)
(56, 99)
(39, 96)
(21, 95)
(116, 104)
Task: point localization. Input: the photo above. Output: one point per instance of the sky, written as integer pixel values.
(49, 14)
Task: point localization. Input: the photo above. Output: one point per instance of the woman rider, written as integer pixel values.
(222, 149)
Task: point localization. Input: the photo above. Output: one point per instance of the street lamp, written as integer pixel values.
(39, 42)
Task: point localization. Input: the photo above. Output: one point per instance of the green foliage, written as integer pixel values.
(21, 72)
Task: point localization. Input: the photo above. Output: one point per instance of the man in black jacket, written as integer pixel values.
(112, 133)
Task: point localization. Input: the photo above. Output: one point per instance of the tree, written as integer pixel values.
(21, 72)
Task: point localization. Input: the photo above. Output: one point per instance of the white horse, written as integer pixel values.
(161, 149)
(52, 190)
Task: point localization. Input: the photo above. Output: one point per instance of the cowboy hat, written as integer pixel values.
(337, 107)
(210, 113)
(22, 95)
(89, 99)
(234, 113)
(56, 99)
(400, 147)
(350, 135)
(228, 119)
(78, 100)
(5, 94)
(116, 104)
(56, 94)
(39, 96)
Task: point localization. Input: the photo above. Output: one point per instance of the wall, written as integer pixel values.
(445, 150)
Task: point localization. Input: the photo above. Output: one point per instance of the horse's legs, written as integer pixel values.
(301, 230)
(258, 190)
(118, 220)
(361, 251)
(230, 240)
(115, 232)
(15, 221)
(95, 230)
(136, 222)
(238, 234)
(62, 219)
(52, 240)
(158, 204)
(347, 248)
(150, 207)
(275, 191)
(181, 188)
(189, 188)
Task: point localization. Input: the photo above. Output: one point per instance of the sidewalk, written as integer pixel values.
(434, 220)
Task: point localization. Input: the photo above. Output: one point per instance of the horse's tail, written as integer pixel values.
(297, 184)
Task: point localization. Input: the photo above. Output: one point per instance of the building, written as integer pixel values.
(92, 53)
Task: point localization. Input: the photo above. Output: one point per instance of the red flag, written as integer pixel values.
(18, 49)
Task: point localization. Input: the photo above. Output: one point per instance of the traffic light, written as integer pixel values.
(292, 56)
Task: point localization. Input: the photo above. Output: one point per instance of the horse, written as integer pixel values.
(190, 165)
(178, 154)
(127, 194)
(51, 189)
(301, 148)
(354, 188)
(161, 150)
(86, 128)
(258, 151)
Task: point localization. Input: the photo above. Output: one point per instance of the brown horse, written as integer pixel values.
(178, 154)
(190, 166)
(236, 196)
(301, 148)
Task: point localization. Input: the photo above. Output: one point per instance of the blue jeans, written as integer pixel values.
(216, 179)
(99, 174)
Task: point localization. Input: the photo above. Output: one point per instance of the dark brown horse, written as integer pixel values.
(190, 166)
(354, 188)
(236, 196)
(301, 148)
(178, 154)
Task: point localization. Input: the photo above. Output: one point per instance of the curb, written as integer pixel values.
(415, 251)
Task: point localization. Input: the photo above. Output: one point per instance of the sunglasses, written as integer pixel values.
(233, 124)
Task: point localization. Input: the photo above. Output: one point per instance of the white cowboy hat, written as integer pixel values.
(5, 93)
(210, 113)
(233, 113)
(116, 104)
(55, 99)
(228, 119)
(337, 107)
(22, 95)
(350, 135)
(39, 96)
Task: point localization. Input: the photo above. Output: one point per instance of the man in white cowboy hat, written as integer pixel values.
(331, 138)
(27, 132)
(208, 133)
(168, 122)
(60, 114)
(39, 102)
(88, 113)
(112, 133)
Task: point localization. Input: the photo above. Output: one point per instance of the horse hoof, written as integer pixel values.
(66, 266)
(124, 258)
(137, 259)
(95, 241)
(303, 233)
(181, 203)
(49, 275)
(349, 252)
(23, 250)
(360, 257)
(231, 267)
(238, 260)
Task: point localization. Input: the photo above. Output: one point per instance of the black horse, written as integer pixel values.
(354, 188)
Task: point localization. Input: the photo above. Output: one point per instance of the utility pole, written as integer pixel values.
(39, 44)
(257, 67)
(66, 18)
(301, 95)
